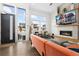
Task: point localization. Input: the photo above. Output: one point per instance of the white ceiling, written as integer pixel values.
(44, 7)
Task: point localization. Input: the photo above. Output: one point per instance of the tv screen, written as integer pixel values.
(67, 18)
(70, 17)
(58, 20)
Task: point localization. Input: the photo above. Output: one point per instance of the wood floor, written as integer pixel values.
(18, 49)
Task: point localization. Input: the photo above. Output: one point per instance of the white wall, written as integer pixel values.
(40, 13)
(56, 29)
(53, 22)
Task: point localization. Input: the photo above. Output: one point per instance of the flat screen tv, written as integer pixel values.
(67, 18)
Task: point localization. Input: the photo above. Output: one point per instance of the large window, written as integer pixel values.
(21, 17)
(38, 24)
(8, 9)
(40, 20)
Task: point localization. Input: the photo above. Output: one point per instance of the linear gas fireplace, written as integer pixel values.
(66, 33)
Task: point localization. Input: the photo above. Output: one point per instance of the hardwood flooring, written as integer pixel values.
(18, 49)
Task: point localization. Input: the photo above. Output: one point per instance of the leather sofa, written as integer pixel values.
(53, 49)
(48, 48)
(39, 44)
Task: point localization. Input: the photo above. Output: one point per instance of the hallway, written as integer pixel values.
(18, 49)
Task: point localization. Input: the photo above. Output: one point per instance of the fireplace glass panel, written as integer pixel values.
(66, 33)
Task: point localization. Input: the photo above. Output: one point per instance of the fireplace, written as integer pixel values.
(66, 33)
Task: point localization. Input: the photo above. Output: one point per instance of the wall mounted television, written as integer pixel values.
(67, 18)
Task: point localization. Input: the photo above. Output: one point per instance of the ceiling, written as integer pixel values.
(44, 7)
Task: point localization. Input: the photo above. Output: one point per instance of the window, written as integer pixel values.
(38, 24)
(40, 20)
(8, 9)
(35, 22)
(21, 15)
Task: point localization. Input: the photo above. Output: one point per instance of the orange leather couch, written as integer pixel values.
(73, 46)
(47, 48)
(53, 49)
(39, 44)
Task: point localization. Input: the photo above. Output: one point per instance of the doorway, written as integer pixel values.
(7, 28)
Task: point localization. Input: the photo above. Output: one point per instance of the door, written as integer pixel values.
(7, 28)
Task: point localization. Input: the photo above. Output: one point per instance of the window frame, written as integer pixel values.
(8, 6)
(20, 14)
